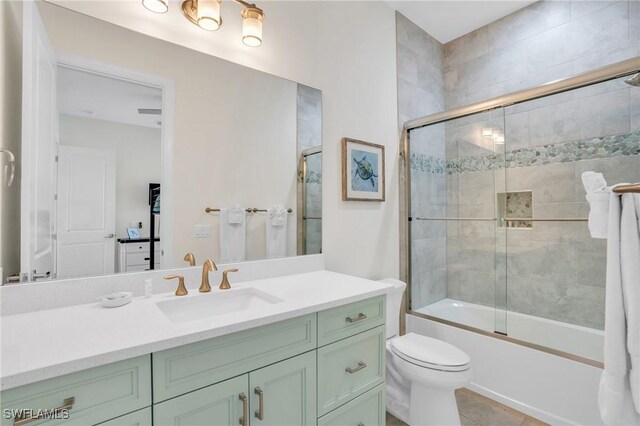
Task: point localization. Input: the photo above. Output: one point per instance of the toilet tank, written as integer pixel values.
(394, 303)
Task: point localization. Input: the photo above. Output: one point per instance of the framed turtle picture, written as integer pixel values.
(362, 171)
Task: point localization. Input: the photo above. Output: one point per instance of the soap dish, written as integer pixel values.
(115, 300)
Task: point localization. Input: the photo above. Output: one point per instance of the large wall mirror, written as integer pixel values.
(141, 154)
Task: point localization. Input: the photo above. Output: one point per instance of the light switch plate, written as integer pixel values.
(202, 231)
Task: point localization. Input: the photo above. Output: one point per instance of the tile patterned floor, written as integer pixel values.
(477, 410)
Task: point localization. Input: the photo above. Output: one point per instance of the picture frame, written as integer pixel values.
(363, 171)
(133, 233)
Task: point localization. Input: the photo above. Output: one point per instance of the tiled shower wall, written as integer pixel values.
(421, 92)
(555, 270)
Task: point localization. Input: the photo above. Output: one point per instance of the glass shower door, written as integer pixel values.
(311, 219)
(457, 252)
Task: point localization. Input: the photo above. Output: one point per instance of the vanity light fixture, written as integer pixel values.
(206, 15)
(494, 134)
(156, 6)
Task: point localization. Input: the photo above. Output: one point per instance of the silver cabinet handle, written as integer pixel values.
(260, 410)
(244, 420)
(360, 317)
(66, 405)
(360, 366)
(110, 236)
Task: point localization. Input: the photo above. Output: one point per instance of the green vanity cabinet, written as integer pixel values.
(88, 396)
(137, 418)
(278, 395)
(185, 368)
(324, 368)
(288, 391)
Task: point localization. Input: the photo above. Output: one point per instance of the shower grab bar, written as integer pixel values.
(549, 219)
(487, 219)
(508, 219)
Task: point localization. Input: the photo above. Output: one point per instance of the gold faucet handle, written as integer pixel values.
(181, 290)
(224, 285)
(189, 257)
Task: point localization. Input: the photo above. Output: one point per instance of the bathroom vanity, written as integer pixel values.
(300, 349)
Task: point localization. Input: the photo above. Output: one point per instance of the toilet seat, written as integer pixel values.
(430, 353)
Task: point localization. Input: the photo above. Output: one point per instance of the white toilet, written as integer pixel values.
(422, 372)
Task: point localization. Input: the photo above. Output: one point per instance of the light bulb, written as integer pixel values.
(156, 6)
(252, 26)
(209, 15)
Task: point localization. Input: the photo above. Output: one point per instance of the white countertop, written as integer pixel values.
(39, 345)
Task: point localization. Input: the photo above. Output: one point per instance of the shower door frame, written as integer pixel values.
(302, 206)
(599, 75)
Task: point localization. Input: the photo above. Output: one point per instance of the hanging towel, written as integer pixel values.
(276, 232)
(619, 398)
(232, 234)
(598, 197)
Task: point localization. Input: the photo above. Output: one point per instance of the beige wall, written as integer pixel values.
(137, 162)
(345, 49)
(10, 131)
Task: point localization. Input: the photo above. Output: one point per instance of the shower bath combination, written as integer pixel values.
(538, 282)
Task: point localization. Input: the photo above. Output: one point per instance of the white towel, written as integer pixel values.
(276, 232)
(619, 398)
(598, 197)
(232, 234)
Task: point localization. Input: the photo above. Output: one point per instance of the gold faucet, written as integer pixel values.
(189, 257)
(207, 267)
(224, 285)
(181, 290)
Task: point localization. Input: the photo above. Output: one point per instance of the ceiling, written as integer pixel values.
(447, 20)
(97, 96)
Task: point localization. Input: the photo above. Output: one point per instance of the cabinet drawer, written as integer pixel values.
(99, 394)
(185, 368)
(140, 268)
(134, 259)
(365, 410)
(344, 321)
(137, 418)
(349, 368)
(139, 247)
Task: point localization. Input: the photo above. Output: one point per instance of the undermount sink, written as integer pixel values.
(216, 303)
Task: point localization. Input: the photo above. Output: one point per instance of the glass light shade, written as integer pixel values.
(209, 14)
(156, 6)
(252, 26)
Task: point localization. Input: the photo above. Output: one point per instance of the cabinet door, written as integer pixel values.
(284, 394)
(216, 405)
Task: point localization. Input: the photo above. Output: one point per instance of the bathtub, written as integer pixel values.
(557, 388)
(573, 339)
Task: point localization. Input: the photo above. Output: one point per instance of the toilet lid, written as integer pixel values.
(430, 353)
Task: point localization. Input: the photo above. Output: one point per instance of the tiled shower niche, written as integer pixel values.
(513, 207)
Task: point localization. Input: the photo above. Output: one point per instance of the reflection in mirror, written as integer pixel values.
(128, 141)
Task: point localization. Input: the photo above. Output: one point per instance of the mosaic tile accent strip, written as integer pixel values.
(565, 152)
(314, 177)
(428, 164)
